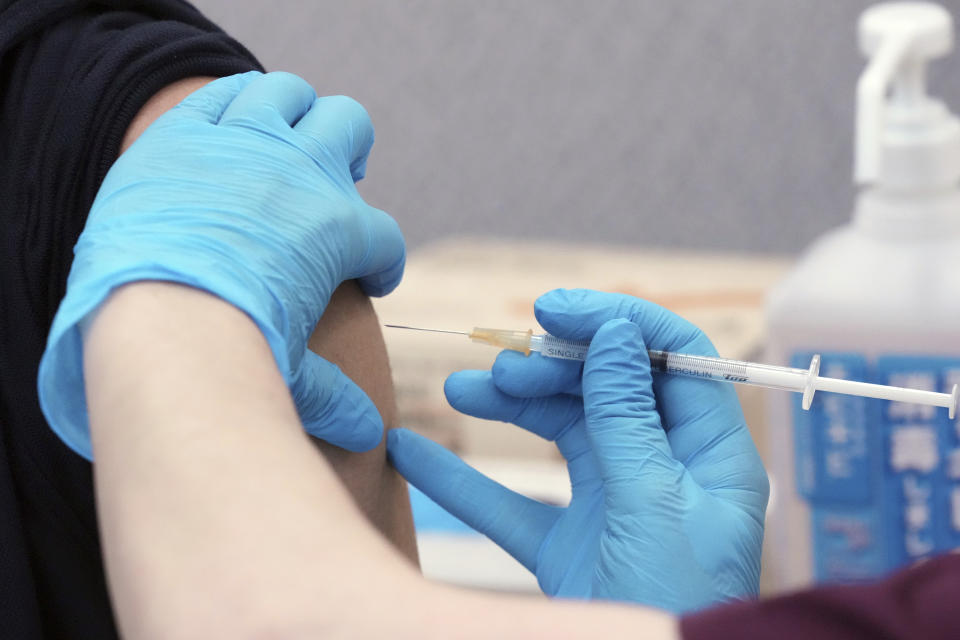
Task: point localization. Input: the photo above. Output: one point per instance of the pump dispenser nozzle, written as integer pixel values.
(906, 139)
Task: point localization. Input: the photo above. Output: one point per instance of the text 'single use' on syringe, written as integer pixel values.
(805, 381)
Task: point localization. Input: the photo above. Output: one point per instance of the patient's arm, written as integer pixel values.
(220, 520)
(349, 336)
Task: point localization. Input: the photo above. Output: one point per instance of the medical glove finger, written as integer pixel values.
(623, 424)
(693, 410)
(556, 418)
(577, 313)
(208, 103)
(711, 438)
(274, 101)
(378, 253)
(708, 434)
(513, 521)
(332, 407)
(340, 128)
(535, 375)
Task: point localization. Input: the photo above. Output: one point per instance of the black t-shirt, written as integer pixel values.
(73, 73)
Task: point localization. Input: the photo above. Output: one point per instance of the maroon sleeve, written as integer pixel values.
(920, 602)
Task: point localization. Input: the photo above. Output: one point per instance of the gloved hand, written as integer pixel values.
(246, 190)
(668, 491)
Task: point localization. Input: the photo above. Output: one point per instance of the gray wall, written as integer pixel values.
(717, 124)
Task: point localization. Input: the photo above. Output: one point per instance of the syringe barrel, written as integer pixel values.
(687, 365)
(554, 347)
(721, 369)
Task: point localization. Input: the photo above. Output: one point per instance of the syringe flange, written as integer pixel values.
(811, 387)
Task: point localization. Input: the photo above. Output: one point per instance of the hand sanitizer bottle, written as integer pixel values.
(864, 486)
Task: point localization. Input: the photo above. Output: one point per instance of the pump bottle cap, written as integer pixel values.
(905, 139)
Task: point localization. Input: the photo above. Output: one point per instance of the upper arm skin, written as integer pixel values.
(349, 336)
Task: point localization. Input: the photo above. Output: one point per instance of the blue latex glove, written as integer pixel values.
(668, 491)
(245, 189)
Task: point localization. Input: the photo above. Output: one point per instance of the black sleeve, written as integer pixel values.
(73, 74)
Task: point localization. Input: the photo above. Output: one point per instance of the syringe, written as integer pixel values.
(805, 381)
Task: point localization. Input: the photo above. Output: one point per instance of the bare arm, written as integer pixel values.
(348, 335)
(217, 490)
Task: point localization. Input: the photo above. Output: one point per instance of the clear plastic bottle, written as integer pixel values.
(864, 486)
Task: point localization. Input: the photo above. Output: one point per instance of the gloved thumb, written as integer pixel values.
(623, 423)
(208, 103)
(338, 128)
(332, 407)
